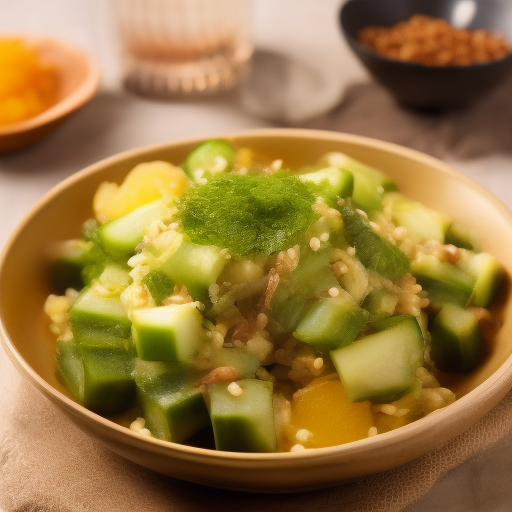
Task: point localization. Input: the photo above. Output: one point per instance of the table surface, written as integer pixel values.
(116, 121)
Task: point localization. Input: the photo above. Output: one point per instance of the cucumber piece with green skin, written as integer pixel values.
(121, 236)
(457, 344)
(196, 267)
(372, 250)
(99, 320)
(168, 333)
(242, 423)
(331, 323)
(99, 378)
(209, 158)
(70, 257)
(444, 282)
(422, 223)
(243, 361)
(333, 182)
(355, 279)
(381, 367)
(312, 276)
(369, 183)
(159, 285)
(458, 235)
(380, 303)
(488, 273)
(173, 410)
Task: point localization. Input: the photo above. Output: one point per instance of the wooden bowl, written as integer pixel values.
(24, 286)
(79, 78)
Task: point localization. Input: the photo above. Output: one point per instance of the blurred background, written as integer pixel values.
(304, 74)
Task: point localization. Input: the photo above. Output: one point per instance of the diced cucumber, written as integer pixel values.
(244, 362)
(460, 236)
(369, 183)
(168, 333)
(99, 320)
(242, 423)
(380, 303)
(195, 266)
(159, 285)
(381, 367)
(99, 378)
(210, 157)
(373, 250)
(331, 323)
(121, 236)
(173, 410)
(312, 276)
(457, 344)
(422, 223)
(488, 273)
(444, 282)
(355, 279)
(70, 257)
(333, 182)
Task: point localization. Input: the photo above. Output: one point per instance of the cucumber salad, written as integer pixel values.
(263, 308)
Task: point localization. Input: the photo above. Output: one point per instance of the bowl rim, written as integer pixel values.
(487, 394)
(368, 52)
(81, 95)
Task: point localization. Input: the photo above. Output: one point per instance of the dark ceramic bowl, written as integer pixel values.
(429, 87)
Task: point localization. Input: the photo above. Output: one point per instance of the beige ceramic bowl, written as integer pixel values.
(24, 328)
(79, 78)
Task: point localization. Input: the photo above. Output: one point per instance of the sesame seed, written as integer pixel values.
(297, 448)
(144, 432)
(351, 251)
(372, 432)
(333, 292)
(235, 389)
(362, 213)
(262, 320)
(401, 412)
(303, 435)
(374, 226)
(400, 233)
(137, 424)
(291, 252)
(202, 181)
(324, 237)
(388, 409)
(276, 165)
(318, 363)
(380, 189)
(314, 243)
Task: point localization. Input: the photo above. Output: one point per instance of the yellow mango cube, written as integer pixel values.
(324, 409)
(144, 184)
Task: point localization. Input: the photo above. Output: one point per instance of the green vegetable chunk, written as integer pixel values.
(332, 182)
(457, 344)
(99, 378)
(422, 223)
(369, 183)
(488, 273)
(374, 251)
(381, 367)
(312, 276)
(248, 214)
(173, 410)
(168, 333)
(70, 259)
(209, 158)
(243, 423)
(195, 266)
(121, 236)
(444, 282)
(331, 323)
(98, 320)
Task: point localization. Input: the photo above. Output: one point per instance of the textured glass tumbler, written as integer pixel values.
(181, 47)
